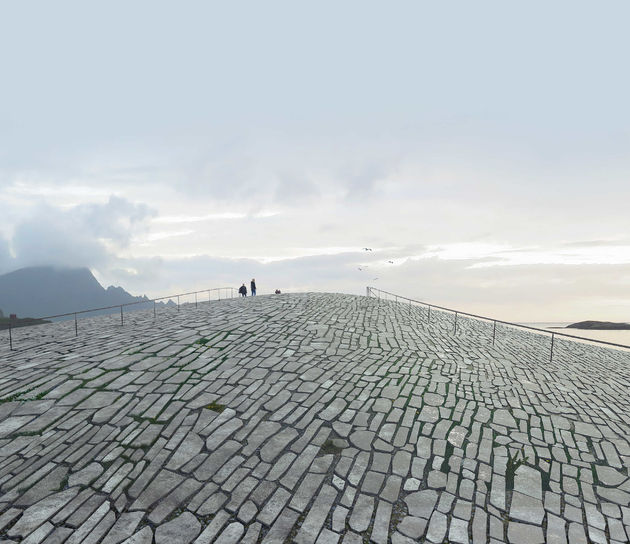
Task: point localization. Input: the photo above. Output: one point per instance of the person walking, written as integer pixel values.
(243, 290)
(253, 286)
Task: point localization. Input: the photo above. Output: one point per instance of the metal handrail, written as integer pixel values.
(121, 306)
(370, 290)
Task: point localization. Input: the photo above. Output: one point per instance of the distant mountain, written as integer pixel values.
(44, 291)
(600, 325)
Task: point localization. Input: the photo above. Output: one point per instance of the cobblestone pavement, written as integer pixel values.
(310, 418)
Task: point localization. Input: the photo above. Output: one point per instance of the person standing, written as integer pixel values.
(243, 290)
(253, 286)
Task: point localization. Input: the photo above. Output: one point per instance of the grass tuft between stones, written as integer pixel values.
(215, 407)
(329, 447)
(512, 466)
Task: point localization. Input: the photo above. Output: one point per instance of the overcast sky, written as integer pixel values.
(482, 147)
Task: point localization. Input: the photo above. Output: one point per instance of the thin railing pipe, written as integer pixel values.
(509, 323)
(120, 306)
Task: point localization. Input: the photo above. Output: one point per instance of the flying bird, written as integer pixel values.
(367, 249)
(391, 262)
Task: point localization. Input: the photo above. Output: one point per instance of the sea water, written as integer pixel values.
(616, 337)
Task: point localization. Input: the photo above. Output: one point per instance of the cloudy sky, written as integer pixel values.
(481, 147)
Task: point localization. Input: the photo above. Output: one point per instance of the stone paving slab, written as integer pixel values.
(310, 418)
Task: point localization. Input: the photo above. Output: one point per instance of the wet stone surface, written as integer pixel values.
(310, 418)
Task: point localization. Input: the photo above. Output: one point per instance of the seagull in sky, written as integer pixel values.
(367, 249)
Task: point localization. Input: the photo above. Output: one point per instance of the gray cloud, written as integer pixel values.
(117, 220)
(597, 243)
(5, 255)
(84, 235)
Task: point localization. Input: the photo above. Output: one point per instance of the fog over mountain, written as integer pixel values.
(46, 290)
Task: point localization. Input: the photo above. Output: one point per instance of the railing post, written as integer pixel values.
(553, 335)
(76, 326)
(455, 331)
(494, 331)
(154, 313)
(178, 303)
(367, 291)
(195, 299)
(121, 315)
(10, 337)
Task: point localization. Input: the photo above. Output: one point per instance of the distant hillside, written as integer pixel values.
(600, 325)
(44, 291)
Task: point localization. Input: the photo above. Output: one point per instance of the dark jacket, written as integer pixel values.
(253, 285)
(242, 290)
